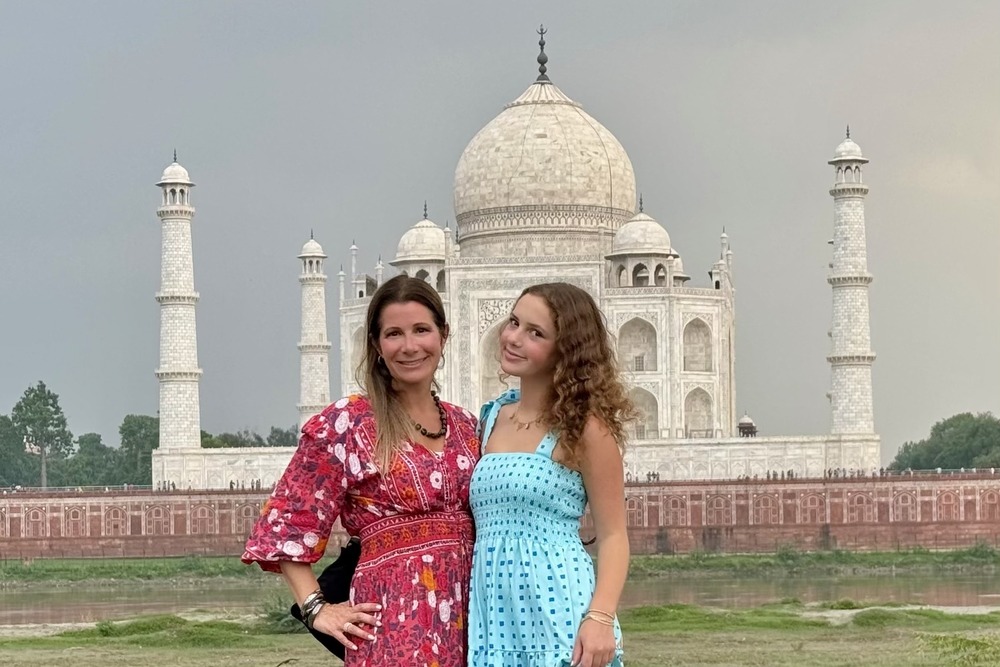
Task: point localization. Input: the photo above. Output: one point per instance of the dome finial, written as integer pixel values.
(640, 202)
(425, 209)
(175, 155)
(311, 235)
(848, 131)
(542, 58)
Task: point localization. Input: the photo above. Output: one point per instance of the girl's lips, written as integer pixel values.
(511, 356)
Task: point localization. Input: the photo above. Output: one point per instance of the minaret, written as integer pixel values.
(314, 347)
(851, 357)
(180, 414)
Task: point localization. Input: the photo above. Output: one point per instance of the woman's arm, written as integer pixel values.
(604, 480)
(340, 621)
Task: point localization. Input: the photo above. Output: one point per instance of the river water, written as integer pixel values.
(79, 604)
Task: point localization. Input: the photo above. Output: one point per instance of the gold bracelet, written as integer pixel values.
(597, 619)
(602, 613)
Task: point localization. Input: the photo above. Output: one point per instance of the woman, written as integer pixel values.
(548, 449)
(394, 464)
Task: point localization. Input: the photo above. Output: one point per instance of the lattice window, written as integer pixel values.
(76, 522)
(860, 509)
(990, 506)
(633, 512)
(158, 520)
(904, 507)
(202, 520)
(947, 507)
(676, 514)
(246, 516)
(813, 509)
(115, 522)
(34, 523)
(719, 511)
(765, 510)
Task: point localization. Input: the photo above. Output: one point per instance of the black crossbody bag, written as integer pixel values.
(335, 582)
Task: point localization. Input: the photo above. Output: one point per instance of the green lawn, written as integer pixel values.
(774, 636)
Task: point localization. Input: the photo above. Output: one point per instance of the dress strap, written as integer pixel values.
(489, 412)
(547, 445)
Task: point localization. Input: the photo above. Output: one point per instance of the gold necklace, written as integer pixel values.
(518, 424)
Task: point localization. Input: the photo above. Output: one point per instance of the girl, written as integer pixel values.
(549, 449)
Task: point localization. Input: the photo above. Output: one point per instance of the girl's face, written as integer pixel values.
(410, 343)
(527, 343)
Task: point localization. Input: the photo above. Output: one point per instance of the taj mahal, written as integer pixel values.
(544, 192)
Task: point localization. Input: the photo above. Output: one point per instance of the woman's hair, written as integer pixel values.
(392, 424)
(585, 380)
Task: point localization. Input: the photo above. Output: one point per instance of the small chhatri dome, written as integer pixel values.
(643, 236)
(848, 150)
(421, 242)
(745, 420)
(174, 173)
(312, 249)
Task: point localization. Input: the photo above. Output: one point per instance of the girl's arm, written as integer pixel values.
(604, 480)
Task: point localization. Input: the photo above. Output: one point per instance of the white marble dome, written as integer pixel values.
(543, 150)
(679, 267)
(847, 149)
(312, 249)
(174, 173)
(421, 242)
(641, 236)
(745, 420)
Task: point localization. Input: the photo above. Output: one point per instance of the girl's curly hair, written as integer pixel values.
(586, 380)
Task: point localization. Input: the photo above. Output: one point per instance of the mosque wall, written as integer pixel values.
(748, 516)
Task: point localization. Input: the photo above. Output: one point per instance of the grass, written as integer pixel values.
(778, 635)
(981, 557)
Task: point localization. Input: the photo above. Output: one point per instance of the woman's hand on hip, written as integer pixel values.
(343, 622)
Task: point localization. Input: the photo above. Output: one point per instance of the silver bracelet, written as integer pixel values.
(310, 618)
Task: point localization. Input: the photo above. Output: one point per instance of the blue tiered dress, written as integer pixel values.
(532, 580)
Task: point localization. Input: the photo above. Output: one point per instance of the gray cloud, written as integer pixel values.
(344, 119)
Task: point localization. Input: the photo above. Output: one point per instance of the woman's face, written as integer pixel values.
(410, 343)
(527, 343)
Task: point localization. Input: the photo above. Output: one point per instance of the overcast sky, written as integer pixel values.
(344, 117)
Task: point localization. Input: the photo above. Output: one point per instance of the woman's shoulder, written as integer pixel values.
(457, 411)
(341, 414)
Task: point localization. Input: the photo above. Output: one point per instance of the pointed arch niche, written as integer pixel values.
(357, 350)
(637, 345)
(697, 346)
(647, 426)
(698, 414)
(490, 385)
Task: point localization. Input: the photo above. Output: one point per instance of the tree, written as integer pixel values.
(94, 464)
(961, 441)
(283, 437)
(140, 435)
(41, 425)
(16, 466)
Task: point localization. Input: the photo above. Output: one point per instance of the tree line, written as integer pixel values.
(38, 449)
(962, 441)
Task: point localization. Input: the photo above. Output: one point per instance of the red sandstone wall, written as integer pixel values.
(935, 512)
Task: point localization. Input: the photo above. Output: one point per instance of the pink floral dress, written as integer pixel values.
(414, 523)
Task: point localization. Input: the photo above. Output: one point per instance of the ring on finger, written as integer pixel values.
(347, 625)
